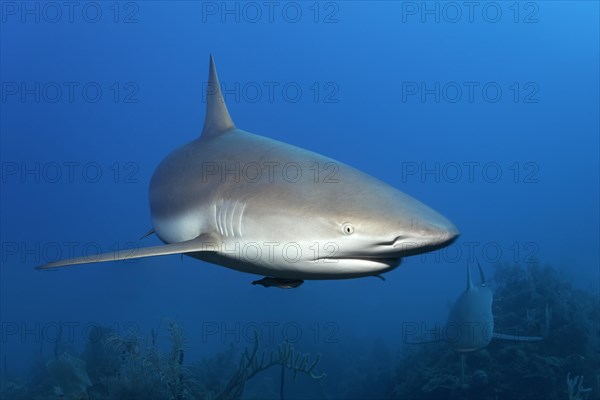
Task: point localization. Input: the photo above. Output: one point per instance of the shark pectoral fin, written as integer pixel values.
(516, 338)
(201, 243)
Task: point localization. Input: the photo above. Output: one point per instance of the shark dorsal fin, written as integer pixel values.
(481, 274)
(469, 280)
(217, 118)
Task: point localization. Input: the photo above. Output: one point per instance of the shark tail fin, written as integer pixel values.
(217, 118)
(191, 246)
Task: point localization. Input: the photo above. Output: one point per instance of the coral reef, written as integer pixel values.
(575, 388)
(145, 373)
(12, 390)
(130, 366)
(527, 301)
(251, 364)
(70, 376)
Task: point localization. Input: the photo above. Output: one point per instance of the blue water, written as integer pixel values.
(490, 119)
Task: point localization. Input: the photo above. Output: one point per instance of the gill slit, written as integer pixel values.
(229, 217)
(240, 219)
(218, 217)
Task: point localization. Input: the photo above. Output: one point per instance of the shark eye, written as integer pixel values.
(348, 229)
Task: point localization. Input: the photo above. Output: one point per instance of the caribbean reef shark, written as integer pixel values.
(470, 324)
(471, 319)
(265, 207)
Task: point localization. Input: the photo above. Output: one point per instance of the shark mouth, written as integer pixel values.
(411, 247)
(389, 254)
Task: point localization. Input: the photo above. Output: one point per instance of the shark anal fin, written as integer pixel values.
(516, 338)
(201, 243)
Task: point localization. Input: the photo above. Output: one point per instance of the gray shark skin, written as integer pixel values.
(265, 207)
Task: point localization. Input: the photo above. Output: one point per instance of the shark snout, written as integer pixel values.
(441, 232)
(427, 234)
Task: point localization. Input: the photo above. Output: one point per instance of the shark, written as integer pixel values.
(265, 207)
(470, 323)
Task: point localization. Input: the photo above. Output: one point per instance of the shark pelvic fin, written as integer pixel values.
(217, 118)
(201, 243)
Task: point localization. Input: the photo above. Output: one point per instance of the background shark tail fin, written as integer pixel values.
(190, 246)
(217, 118)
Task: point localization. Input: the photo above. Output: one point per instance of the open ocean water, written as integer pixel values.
(486, 111)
